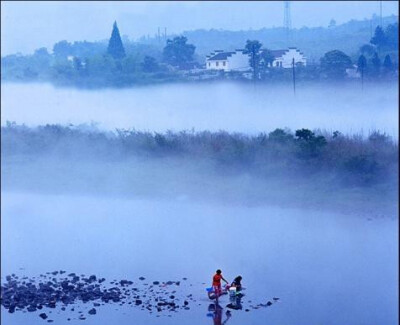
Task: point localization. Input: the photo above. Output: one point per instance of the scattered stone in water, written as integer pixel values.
(142, 278)
(92, 311)
(43, 315)
(156, 282)
(275, 298)
(269, 303)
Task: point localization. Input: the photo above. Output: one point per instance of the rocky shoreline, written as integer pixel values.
(59, 289)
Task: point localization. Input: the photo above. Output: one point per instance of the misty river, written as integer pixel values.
(216, 106)
(325, 268)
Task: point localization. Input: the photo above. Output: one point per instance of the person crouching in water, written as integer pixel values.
(237, 283)
(216, 284)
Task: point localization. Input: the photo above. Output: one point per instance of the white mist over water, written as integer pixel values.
(214, 106)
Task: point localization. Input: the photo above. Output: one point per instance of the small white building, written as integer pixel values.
(353, 72)
(284, 58)
(228, 61)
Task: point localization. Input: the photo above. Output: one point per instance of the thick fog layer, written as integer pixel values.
(230, 107)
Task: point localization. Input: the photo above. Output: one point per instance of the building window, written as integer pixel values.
(209, 64)
(223, 63)
(217, 63)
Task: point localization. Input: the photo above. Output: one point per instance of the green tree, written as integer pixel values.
(309, 144)
(367, 49)
(361, 63)
(115, 46)
(77, 63)
(150, 64)
(361, 66)
(62, 49)
(376, 64)
(334, 64)
(266, 58)
(387, 63)
(379, 38)
(392, 36)
(253, 49)
(177, 52)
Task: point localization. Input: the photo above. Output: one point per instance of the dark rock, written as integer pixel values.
(142, 278)
(138, 302)
(43, 315)
(269, 303)
(92, 311)
(156, 282)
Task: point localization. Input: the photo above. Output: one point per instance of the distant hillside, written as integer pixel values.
(314, 42)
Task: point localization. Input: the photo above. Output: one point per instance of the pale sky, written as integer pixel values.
(28, 25)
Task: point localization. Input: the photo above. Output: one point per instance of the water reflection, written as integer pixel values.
(216, 312)
(235, 302)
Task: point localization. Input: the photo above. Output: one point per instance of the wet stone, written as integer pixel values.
(92, 311)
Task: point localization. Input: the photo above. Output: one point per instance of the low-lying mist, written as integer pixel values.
(316, 170)
(234, 107)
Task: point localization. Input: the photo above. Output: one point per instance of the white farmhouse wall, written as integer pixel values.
(239, 62)
(217, 65)
(288, 57)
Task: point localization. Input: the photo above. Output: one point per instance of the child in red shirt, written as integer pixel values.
(216, 283)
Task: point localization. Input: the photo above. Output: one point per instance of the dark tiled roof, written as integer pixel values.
(221, 56)
(278, 53)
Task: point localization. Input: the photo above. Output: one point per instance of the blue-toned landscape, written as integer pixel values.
(135, 165)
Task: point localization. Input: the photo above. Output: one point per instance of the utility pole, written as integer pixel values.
(165, 33)
(380, 12)
(362, 79)
(159, 36)
(294, 78)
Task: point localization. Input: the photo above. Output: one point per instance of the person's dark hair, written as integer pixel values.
(239, 278)
(219, 271)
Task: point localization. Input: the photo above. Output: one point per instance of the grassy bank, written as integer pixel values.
(300, 168)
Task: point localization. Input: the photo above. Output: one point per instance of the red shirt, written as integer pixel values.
(217, 279)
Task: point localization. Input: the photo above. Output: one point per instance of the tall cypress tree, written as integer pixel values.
(115, 47)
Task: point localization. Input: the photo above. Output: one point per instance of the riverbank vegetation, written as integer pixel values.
(304, 168)
(350, 160)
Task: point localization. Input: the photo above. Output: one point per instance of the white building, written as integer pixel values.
(239, 61)
(228, 61)
(284, 58)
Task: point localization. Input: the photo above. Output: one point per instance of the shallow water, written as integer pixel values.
(325, 268)
(217, 106)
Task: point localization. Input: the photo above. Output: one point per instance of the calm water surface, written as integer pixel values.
(325, 268)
